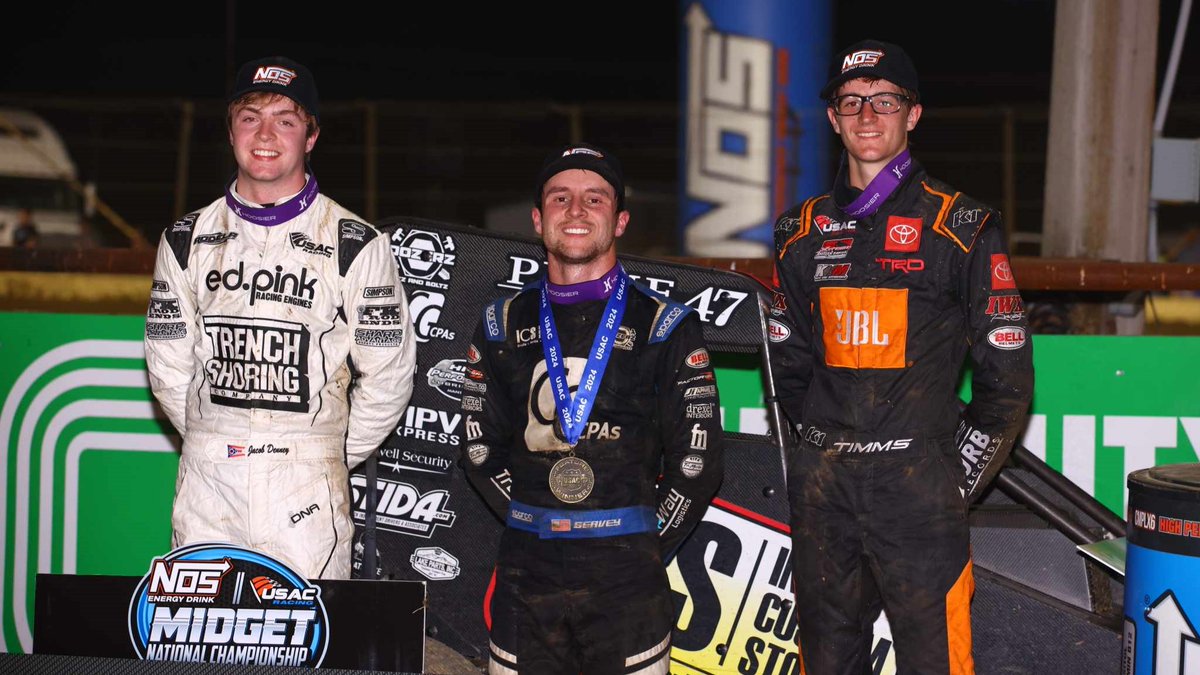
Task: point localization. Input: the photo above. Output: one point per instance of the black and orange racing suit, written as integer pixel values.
(884, 309)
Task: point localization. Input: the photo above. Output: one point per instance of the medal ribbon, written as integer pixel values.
(881, 186)
(274, 215)
(573, 411)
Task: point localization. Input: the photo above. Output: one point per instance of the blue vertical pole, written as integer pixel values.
(753, 137)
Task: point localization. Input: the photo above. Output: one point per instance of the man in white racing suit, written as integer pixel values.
(278, 340)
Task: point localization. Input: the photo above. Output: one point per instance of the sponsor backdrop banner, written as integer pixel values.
(89, 468)
(755, 137)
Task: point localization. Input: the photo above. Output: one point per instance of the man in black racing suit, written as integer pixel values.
(595, 501)
(891, 280)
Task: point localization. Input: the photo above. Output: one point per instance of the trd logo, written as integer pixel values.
(187, 577)
(905, 265)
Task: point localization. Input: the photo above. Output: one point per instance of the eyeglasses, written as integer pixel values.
(883, 103)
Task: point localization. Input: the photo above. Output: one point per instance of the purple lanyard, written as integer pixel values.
(573, 411)
(881, 186)
(273, 215)
(587, 291)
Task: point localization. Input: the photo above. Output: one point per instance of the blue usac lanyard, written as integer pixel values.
(573, 412)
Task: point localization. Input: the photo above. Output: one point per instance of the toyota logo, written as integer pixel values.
(903, 234)
(1003, 271)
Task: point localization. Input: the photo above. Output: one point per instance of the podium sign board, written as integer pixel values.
(372, 625)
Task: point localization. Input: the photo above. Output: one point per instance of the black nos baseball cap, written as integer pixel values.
(582, 156)
(278, 75)
(872, 59)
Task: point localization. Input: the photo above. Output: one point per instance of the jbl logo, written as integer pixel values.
(864, 327)
(859, 327)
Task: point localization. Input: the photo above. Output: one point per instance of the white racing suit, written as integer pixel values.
(253, 336)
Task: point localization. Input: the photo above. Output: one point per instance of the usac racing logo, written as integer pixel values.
(219, 603)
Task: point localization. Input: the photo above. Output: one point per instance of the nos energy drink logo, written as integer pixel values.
(755, 137)
(217, 603)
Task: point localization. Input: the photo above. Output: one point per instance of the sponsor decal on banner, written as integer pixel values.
(521, 272)
(426, 309)
(738, 614)
(402, 507)
(401, 459)
(425, 258)
(903, 235)
(435, 563)
(257, 363)
(1007, 337)
(1002, 275)
(219, 603)
(446, 377)
(430, 425)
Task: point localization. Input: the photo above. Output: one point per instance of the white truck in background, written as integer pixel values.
(37, 173)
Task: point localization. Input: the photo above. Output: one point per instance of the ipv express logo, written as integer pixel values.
(218, 603)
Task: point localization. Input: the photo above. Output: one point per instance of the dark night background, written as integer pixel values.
(980, 54)
(995, 51)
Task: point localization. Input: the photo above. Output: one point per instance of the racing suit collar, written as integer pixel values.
(281, 212)
(844, 194)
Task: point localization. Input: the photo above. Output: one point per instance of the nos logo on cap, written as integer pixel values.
(865, 57)
(275, 75)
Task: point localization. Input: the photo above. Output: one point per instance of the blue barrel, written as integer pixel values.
(1162, 572)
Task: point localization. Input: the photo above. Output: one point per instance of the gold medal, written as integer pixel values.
(571, 480)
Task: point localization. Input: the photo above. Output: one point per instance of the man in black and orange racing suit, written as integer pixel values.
(581, 583)
(891, 280)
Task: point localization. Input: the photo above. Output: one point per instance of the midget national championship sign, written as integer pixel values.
(432, 526)
(219, 603)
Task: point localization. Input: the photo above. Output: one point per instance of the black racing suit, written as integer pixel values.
(885, 308)
(565, 602)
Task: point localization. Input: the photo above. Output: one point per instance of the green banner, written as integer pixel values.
(89, 467)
